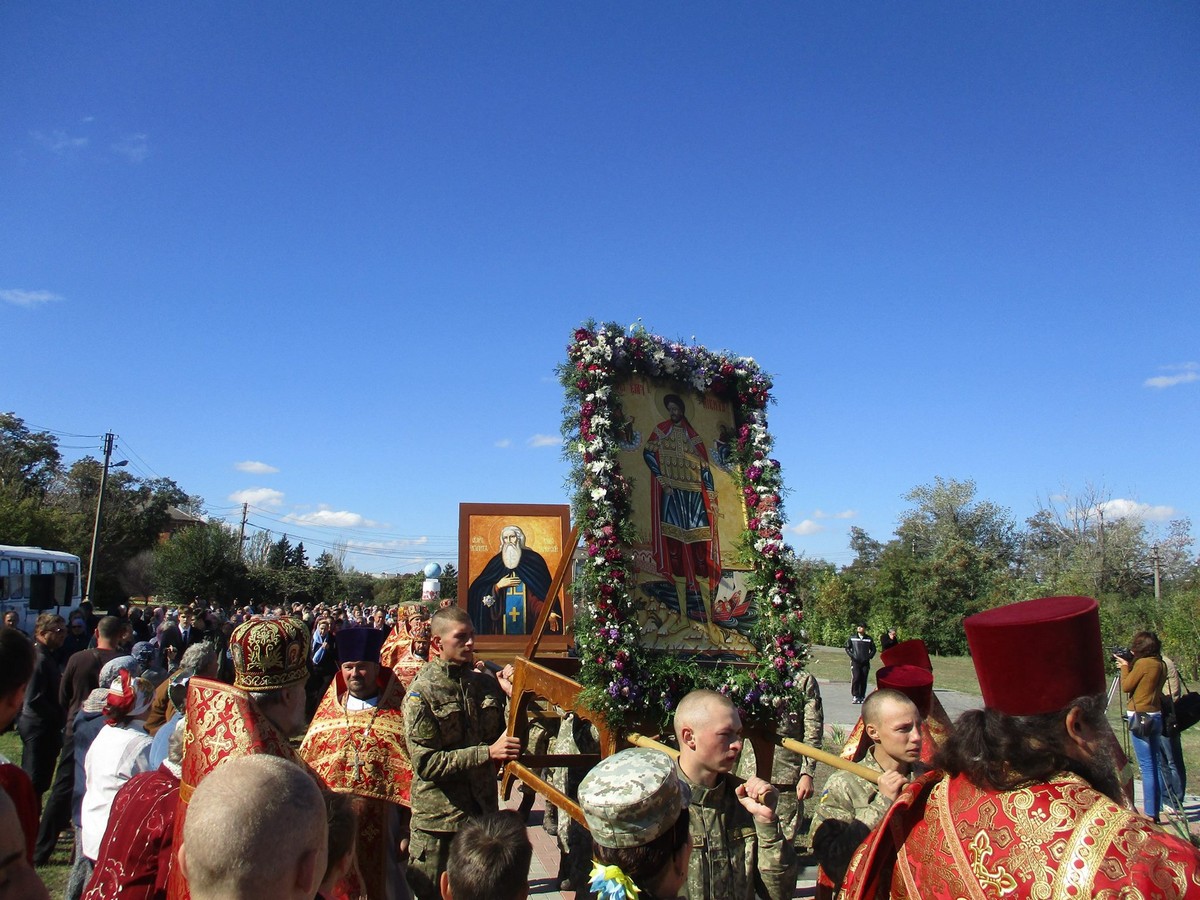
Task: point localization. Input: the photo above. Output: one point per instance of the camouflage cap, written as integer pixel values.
(632, 797)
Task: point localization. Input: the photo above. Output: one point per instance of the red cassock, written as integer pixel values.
(946, 838)
(222, 723)
(406, 665)
(135, 855)
(395, 646)
(364, 754)
(15, 782)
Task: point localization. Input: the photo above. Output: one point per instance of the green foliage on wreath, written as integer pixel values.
(626, 683)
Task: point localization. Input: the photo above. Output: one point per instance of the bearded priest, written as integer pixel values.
(356, 745)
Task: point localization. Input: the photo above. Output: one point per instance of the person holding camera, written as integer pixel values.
(1142, 677)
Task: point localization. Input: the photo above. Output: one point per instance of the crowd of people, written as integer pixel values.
(178, 746)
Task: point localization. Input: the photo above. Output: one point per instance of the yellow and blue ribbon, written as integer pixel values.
(610, 883)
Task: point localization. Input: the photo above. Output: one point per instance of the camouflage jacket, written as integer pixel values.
(850, 807)
(735, 857)
(808, 727)
(451, 715)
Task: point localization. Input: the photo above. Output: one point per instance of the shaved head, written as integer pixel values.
(447, 618)
(893, 723)
(709, 731)
(231, 836)
(878, 701)
(696, 709)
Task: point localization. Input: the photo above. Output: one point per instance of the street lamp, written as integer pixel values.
(108, 464)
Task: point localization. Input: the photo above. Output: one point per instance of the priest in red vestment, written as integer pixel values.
(356, 745)
(407, 647)
(259, 713)
(1028, 801)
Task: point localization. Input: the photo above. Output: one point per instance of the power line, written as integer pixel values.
(366, 532)
(415, 553)
(56, 433)
(125, 446)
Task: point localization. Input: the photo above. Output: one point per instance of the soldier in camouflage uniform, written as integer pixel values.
(792, 773)
(575, 735)
(851, 806)
(455, 727)
(738, 848)
(636, 809)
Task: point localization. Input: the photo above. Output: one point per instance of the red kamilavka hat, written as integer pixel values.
(1037, 656)
(907, 653)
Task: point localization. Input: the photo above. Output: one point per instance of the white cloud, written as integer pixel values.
(28, 299)
(808, 526)
(133, 147)
(1182, 374)
(1131, 509)
(844, 514)
(268, 497)
(503, 442)
(545, 440)
(59, 142)
(254, 467)
(331, 518)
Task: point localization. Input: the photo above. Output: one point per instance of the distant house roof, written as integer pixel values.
(179, 517)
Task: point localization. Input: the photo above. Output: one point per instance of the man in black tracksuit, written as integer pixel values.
(860, 648)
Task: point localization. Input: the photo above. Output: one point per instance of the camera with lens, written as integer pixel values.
(1124, 652)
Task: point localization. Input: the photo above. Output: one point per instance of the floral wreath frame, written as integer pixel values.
(625, 683)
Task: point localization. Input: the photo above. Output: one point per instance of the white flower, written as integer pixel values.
(598, 493)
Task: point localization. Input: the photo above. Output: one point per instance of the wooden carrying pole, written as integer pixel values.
(640, 740)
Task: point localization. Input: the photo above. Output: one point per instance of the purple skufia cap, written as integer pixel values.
(359, 644)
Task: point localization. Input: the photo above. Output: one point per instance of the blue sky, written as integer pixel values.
(349, 242)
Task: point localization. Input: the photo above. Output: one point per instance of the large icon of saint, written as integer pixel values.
(684, 537)
(507, 596)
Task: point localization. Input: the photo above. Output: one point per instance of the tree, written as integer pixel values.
(201, 561)
(449, 580)
(137, 575)
(1086, 544)
(298, 559)
(135, 514)
(257, 549)
(280, 554)
(29, 460)
(29, 465)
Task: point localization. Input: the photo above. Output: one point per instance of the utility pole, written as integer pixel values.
(1156, 558)
(242, 530)
(108, 448)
